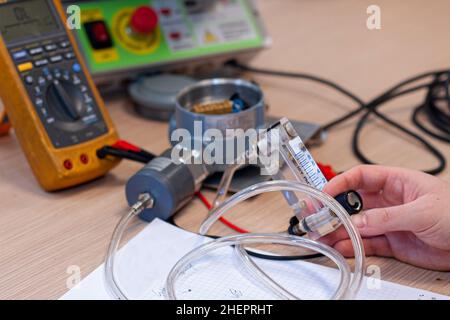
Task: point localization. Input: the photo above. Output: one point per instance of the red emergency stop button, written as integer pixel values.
(144, 20)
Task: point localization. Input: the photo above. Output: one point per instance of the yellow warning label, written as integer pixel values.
(209, 37)
(105, 55)
(88, 15)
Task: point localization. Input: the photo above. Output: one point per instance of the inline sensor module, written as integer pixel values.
(311, 218)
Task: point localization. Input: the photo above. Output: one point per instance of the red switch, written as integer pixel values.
(175, 35)
(144, 20)
(165, 12)
(100, 33)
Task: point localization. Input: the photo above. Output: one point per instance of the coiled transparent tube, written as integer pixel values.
(345, 290)
(267, 238)
(145, 201)
(348, 285)
(110, 274)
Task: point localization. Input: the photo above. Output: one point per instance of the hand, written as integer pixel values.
(406, 215)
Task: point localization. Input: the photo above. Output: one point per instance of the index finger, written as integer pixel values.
(369, 178)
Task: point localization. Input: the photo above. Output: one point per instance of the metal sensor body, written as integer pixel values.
(170, 184)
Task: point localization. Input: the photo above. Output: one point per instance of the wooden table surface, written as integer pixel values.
(42, 234)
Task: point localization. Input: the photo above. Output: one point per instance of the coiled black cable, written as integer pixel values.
(439, 118)
(436, 108)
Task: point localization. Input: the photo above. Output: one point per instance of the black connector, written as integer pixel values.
(123, 154)
(351, 201)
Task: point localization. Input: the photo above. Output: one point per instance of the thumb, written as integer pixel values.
(379, 221)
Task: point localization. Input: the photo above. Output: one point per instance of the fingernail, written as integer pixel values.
(359, 220)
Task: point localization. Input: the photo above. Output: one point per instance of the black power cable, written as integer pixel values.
(141, 156)
(264, 256)
(434, 109)
(435, 114)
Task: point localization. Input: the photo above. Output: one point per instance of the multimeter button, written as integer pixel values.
(19, 55)
(41, 81)
(25, 66)
(51, 47)
(76, 80)
(57, 73)
(55, 59)
(64, 44)
(69, 55)
(40, 63)
(87, 98)
(37, 91)
(45, 71)
(76, 67)
(39, 102)
(29, 80)
(35, 51)
(66, 75)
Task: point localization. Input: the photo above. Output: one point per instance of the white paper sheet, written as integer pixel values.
(145, 261)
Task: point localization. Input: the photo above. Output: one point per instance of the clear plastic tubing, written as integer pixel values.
(110, 263)
(267, 238)
(345, 290)
(348, 285)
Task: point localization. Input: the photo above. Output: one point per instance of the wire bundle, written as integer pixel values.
(436, 108)
(438, 118)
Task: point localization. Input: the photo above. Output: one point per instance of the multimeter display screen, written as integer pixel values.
(24, 19)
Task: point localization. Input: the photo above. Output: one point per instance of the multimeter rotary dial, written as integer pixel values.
(65, 103)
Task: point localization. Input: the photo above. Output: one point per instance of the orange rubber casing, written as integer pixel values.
(47, 162)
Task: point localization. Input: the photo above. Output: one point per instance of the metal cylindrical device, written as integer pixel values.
(170, 183)
(173, 178)
(213, 90)
(199, 124)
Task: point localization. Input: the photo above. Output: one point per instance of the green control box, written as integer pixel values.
(120, 37)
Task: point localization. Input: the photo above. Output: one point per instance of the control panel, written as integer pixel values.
(49, 97)
(119, 36)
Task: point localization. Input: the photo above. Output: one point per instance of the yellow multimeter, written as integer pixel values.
(51, 101)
